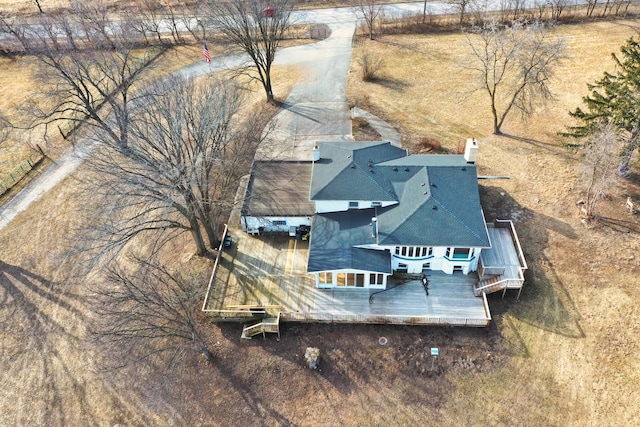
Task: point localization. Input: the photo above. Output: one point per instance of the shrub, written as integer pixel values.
(370, 65)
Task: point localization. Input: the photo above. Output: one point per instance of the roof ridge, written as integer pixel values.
(418, 205)
(453, 215)
(391, 193)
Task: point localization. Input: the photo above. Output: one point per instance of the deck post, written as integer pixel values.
(504, 291)
(519, 290)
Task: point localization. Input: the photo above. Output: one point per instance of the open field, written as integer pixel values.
(565, 354)
(570, 337)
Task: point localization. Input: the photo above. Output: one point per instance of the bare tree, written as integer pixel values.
(463, 7)
(557, 7)
(369, 11)
(513, 66)
(591, 6)
(601, 154)
(146, 313)
(150, 19)
(173, 182)
(255, 30)
(173, 17)
(88, 70)
(179, 171)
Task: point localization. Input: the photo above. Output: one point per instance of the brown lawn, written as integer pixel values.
(565, 354)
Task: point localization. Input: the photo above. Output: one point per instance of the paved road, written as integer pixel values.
(315, 109)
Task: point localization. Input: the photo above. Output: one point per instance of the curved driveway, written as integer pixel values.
(316, 109)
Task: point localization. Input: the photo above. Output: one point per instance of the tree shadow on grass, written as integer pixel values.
(618, 225)
(545, 302)
(37, 320)
(554, 148)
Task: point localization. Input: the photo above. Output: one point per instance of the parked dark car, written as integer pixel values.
(227, 241)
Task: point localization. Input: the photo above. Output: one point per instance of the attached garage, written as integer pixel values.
(277, 197)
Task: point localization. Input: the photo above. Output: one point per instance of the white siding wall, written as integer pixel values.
(436, 261)
(252, 224)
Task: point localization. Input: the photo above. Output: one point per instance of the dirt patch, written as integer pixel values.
(362, 130)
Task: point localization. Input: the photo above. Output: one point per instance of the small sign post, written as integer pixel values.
(434, 353)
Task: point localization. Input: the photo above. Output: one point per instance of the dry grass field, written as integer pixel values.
(565, 354)
(571, 339)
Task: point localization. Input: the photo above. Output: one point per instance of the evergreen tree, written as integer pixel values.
(615, 100)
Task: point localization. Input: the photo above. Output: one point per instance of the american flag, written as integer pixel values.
(207, 55)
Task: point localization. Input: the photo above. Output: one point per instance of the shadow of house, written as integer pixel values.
(545, 302)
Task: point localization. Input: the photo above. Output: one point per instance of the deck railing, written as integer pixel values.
(505, 282)
(500, 285)
(489, 271)
(379, 319)
(215, 268)
(505, 223)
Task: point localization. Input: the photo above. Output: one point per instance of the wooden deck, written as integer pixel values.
(266, 275)
(505, 258)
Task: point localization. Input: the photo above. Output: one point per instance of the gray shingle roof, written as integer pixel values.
(346, 171)
(439, 206)
(437, 195)
(333, 240)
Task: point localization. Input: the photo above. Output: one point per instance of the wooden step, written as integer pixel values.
(488, 282)
(270, 325)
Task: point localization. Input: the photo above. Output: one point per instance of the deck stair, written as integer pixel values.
(269, 324)
(489, 284)
(502, 266)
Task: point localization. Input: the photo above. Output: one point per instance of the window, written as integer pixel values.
(341, 279)
(410, 252)
(376, 279)
(376, 204)
(351, 279)
(397, 250)
(461, 253)
(402, 268)
(279, 222)
(353, 205)
(426, 252)
(404, 251)
(359, 280)
(325, 278)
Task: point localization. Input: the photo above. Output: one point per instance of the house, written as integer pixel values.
(394, 238)
(381, 211)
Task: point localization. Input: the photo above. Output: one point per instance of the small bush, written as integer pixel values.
(370, 65)
(427, 145)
